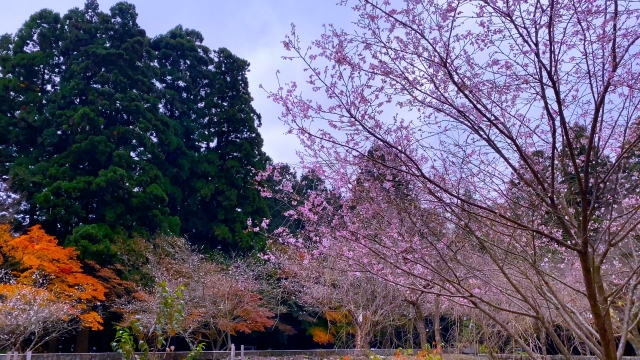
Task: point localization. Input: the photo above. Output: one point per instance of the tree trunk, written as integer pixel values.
(219, 343)
(52, 346)
(543, 341)
(363, 340)
(595, 295)
(422, 330)
(560, 345)
(82, 341)
(436, 322)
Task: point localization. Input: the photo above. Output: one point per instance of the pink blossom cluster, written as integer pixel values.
(481, 151)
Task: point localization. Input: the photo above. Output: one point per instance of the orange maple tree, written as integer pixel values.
(321, 335)
(37, 260)
(339, 324)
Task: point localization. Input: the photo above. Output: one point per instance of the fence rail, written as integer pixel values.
(273, 354)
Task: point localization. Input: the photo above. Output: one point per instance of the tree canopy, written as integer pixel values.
(108, 133)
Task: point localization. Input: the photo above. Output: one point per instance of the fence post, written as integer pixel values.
(241, 352)
(28, 355)
(233, 352)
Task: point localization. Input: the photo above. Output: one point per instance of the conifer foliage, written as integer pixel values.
(109, 133)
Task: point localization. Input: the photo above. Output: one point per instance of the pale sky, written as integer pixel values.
(252, 29)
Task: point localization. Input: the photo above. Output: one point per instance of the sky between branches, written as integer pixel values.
(252, 29)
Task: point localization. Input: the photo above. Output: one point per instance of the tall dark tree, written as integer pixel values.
(90, 162)
(233, 139)
(109, 133)
(29, 71)
(207, 94)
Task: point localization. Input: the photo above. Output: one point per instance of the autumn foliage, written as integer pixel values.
(321, 335)
(36, 260)
(216, 300)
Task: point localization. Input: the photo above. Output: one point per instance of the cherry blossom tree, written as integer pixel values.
(354, 232)
(516, 124)
(379, 229)
(198, 298)
(358, 300)
(30, 316)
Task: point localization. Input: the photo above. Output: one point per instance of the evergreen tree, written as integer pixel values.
(206, 94)
(225, 192)
(108, 133)
(29, 69)
(88, 166)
